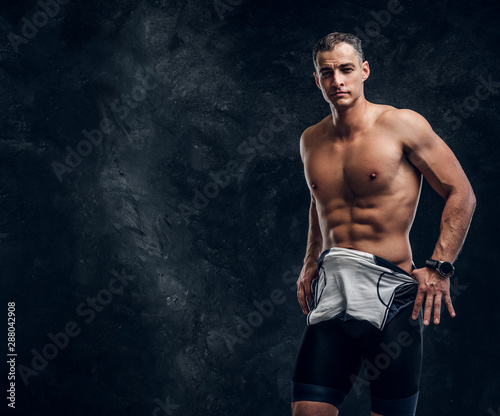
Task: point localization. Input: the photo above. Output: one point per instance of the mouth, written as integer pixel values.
(340, 94)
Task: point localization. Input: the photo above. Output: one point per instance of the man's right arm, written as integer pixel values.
(313, 250)
(314, 238)
(309, 270)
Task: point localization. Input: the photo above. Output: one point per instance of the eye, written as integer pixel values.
(326, 74)
(347, 70)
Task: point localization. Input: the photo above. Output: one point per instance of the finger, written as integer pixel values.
(449, 304)
(418, 304)
(428, 307)
(302, 302)
(437, 308)
(308, 292)
(302, 299)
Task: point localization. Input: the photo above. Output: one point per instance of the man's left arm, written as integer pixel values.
(439, 166)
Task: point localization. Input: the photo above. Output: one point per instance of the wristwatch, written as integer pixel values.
(444, 268)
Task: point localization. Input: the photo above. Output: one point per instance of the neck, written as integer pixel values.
(349, 120)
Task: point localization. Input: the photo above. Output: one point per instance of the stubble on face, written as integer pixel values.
(339, 74)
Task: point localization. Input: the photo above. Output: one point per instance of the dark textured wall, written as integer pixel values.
(144, 222)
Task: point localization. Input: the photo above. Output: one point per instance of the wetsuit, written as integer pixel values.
(361, 312)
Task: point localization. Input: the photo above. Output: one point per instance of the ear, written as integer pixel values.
(316, 79)
(366, 70)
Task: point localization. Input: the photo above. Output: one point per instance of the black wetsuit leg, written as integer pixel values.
(331, 353)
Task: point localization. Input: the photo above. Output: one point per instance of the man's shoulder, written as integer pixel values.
(394, 117)
(315, 129)
(312, 133)
(408, 126)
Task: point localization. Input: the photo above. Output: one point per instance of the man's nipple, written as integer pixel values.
(313, 185)
(373, 175)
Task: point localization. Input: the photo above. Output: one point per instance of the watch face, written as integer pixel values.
(446, 268)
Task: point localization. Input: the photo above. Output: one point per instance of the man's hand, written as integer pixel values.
(308, 273)
(433, 288)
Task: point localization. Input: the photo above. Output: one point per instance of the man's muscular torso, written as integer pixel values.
(364, 188)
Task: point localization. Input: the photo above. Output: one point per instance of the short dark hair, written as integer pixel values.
(329, 42)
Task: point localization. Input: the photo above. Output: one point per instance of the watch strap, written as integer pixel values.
(433, 264)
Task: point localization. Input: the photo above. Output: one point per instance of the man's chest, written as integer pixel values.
(360, 167)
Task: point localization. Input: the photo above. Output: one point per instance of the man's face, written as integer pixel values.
(340, 75)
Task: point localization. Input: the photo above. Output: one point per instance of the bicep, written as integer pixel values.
(435, 160)
(314, 217)
(302, 145)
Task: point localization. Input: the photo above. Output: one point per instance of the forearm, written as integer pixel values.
(455, 222)
(314, 237)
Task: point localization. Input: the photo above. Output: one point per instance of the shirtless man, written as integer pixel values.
(364, 164)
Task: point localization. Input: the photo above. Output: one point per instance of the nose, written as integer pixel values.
(337, 81)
